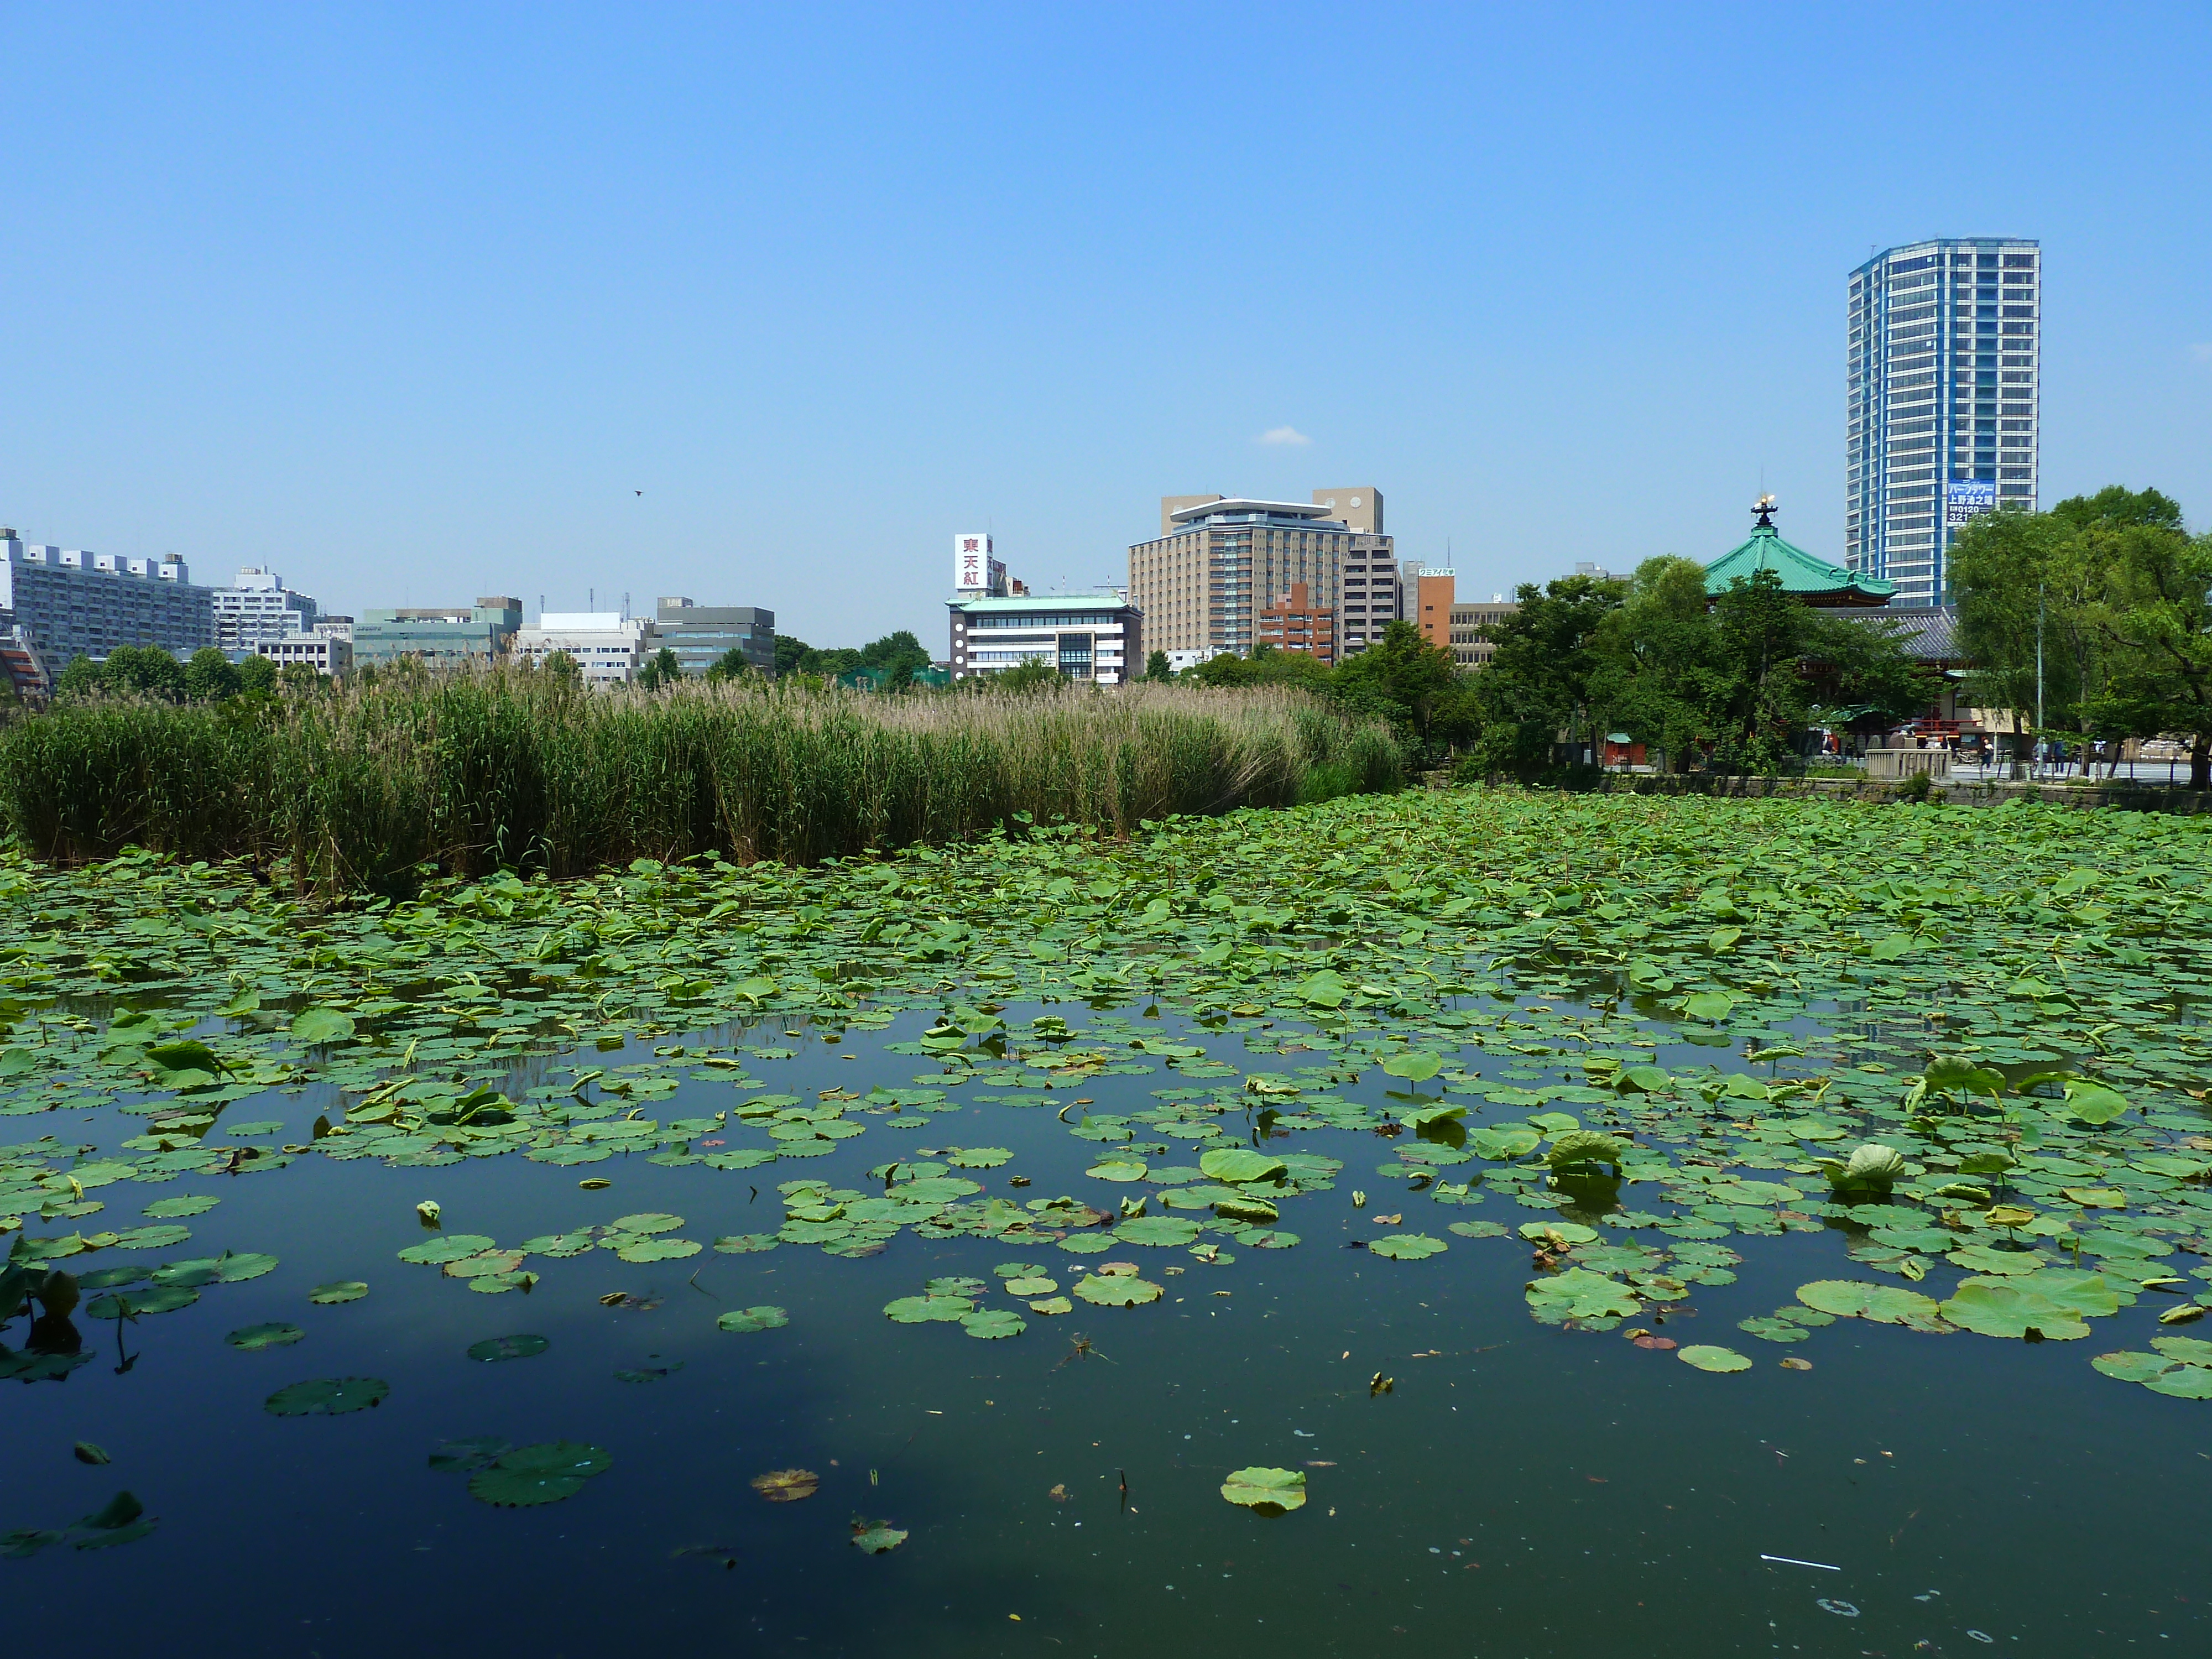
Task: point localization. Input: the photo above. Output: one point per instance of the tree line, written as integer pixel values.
(2098, 613)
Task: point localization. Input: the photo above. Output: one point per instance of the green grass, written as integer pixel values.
(358, 790)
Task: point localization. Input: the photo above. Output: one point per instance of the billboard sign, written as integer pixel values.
(971, 563)
(1968, 499)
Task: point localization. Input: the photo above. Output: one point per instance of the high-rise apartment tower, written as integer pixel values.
(1219, 561)
(1941, 402)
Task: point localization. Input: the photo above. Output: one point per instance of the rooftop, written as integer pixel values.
(1814, 580)
(1239, 504)
(1105, 600)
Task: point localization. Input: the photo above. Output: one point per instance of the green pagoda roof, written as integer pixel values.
(1814, 580)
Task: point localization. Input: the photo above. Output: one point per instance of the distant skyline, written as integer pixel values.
(762, 305)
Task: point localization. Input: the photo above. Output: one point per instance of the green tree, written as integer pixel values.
(145, 670)
(1413, 684)
(301, 680)
(1155, 668)
(900, 655)
(562, 666)
(2155, 621)
(83, 677)
(257, 676)
(1267, 665)
(660, 669)
(1537, 686)
(731, 664)
(1033, 675)
(210, 677)
(1655, 673)
(792, 655)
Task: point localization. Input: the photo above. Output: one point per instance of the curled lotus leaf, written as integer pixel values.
(763, 1318)
(1871, 1167)
(1578, 1146)
(328, 1396)
(1238, 1165)
(1266, 1491)
(543, 1473)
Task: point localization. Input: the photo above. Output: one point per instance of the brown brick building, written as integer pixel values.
(1294, 622)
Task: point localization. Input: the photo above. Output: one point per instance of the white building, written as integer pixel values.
(258, 606)
(331, 658)
(607, 648)
(1095, 636)
(1941, 403)
(66, 603)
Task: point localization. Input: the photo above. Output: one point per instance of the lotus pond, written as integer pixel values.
(1519, 1222)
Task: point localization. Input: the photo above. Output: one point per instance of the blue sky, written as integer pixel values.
(412, 302)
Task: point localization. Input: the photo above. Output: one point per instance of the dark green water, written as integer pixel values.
(1521, 1490)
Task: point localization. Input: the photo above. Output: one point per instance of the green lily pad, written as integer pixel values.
(1266, 1491)
(1407, 1246)
(343, 1290)
(1476, 1229)
(1118, 1291)
(450, 1247)
(763, 1318)
(543, 1473)
(1032, 1284)
(746, 1243)
(650, 1222)
(1116, 1169)
(977, 1158)
(131, 1305)
(2001, 1306)
(192, 1204)
(1707, 1358)
(330, 1396)
(1885, 1305)
(276, 1334)
(992, 1323)
(508, 1347)
(657, 1249)
(876, 1538)
(160, 1237)
(1235, 1164)
(467, 1456)
(928, 1309)
(956, 1285)
(1052, 1304)
(1157, 1230)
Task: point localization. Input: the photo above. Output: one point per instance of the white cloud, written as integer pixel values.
(1283, 435)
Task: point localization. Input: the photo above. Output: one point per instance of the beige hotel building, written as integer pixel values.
(1219, 561)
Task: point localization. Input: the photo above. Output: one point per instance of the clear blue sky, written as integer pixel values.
(409, 302)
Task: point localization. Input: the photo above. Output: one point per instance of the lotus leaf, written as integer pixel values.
(542, 1474)
(452, 1247)
(786, 1486)
(1031, 1285)
(278, 1333)
(1416, 1066)
(1476, 1229)
(1117, 1290)
(956, 1285)
(467, 1456)
(763, 1318)
(1236, 1165)
(746, 1243)
(875, 1537)
(992, 1323)
(1267, 1491)
(1053, 1305)
(1578, 1146)
(1157, 1230)
(977, 1158)
(1707, 1358)
(508, 1347)
(330, 1396)
(344, 1289)
(194, 1204)
(129, 1304)
(1884, 1304)
(647, 1221)
(1116, 1169)
(1407, 1246)
(315, 1026)
(657, 1250)
(927, 1309)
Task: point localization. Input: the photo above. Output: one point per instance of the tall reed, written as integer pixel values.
(358, 789)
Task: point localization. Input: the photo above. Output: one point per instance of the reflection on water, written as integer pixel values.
(1517, 1490)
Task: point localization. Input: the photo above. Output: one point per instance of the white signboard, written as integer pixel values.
(1966, 500)
(971, 563)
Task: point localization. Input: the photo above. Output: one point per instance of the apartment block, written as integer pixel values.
(1942, 403)
(66, 603)
(258, 606)
(1468, 648)
(1293, 623)
(607, 648)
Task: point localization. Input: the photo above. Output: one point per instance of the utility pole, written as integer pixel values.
(2039, 675)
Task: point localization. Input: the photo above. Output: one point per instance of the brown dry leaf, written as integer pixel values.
(593, 1183)
(1390, 1220)
(614, 1298)
(787, 1485)
(1116, 1270)
(1059, 1494)
(1794, 1363)
(1662, 1342)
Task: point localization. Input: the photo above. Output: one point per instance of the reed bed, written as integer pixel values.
(365, 789)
